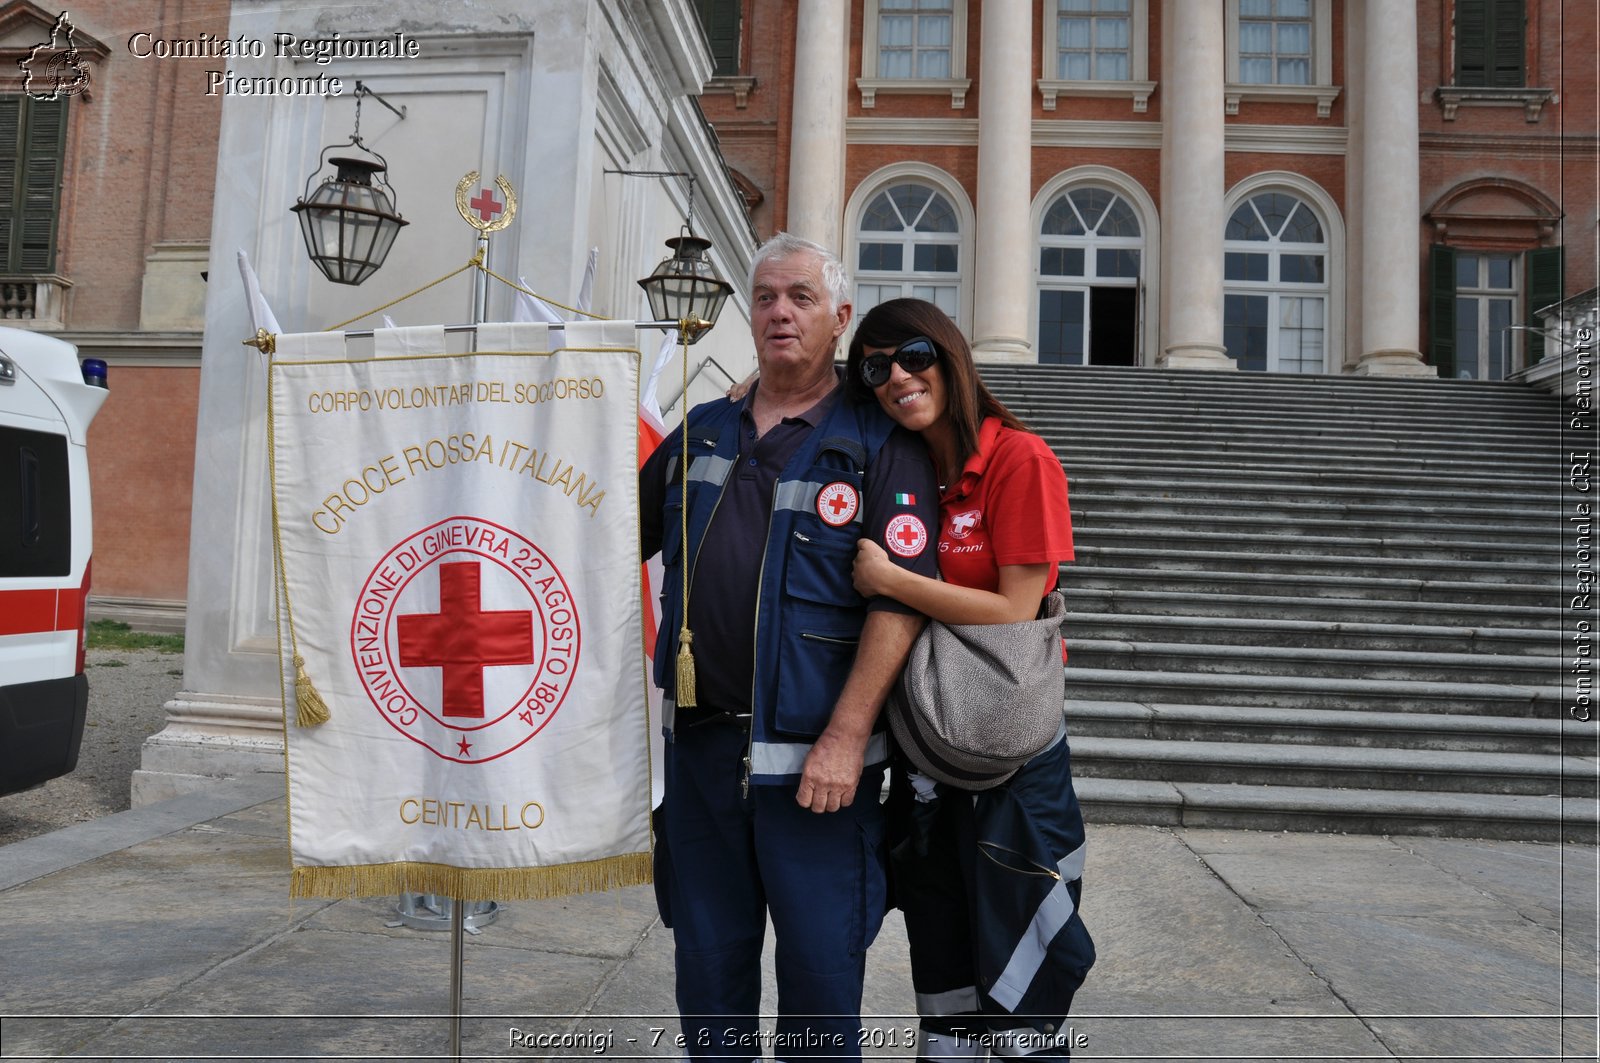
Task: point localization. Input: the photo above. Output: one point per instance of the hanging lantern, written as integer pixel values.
(349, 222)
(685, 287)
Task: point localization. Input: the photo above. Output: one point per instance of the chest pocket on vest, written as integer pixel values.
(823, 611)
(828, 505)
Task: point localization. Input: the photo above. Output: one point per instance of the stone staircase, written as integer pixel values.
(1314, 603)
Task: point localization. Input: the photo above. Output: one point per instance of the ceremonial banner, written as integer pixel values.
(457, 537)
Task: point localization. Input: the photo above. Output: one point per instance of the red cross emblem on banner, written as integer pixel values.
(469, 682)
(837, 503)
(486, 205)
(463, 640)
(906, 535)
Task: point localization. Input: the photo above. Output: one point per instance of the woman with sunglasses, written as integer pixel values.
(988, 881)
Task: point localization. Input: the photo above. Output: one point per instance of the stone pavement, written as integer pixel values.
(167, 933)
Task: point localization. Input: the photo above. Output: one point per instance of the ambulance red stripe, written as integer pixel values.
(29, 612)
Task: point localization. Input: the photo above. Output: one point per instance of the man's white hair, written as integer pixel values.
(835, 277)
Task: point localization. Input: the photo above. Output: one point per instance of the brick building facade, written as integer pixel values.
(1273, 187)
(122, 204)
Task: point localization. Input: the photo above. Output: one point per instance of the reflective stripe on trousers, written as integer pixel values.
(788, 758)
(1051, 915)
(784, 758)
(963, 1001)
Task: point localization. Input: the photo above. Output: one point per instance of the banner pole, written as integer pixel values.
(486, 215)
(457, 942)
(480, 283)
(458, 905)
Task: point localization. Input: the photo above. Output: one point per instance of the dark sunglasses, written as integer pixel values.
(914, 355)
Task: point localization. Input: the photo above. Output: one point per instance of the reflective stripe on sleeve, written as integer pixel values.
(1052, 914)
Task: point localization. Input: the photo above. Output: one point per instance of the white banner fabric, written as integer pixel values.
(457, 539)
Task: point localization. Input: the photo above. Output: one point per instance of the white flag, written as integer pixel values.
(261, 315)
(528, 307)
(586, 289)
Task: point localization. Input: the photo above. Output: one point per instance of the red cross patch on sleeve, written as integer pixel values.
(906, 535)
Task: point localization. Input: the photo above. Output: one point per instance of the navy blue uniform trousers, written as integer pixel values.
(989, 883)
(724, 860)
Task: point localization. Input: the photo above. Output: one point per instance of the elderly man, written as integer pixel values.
(773, 774)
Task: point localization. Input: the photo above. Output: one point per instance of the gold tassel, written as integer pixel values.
(684, 689)
(685, 686)
(310, 708)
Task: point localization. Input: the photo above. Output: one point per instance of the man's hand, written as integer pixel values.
(832, 770)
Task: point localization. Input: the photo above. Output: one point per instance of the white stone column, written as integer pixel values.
(816, 145)
(1391, 194)
(1003, 287)
(1192, 156)
(1355, 64)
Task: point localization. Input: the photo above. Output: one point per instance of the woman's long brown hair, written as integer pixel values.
(968, 400)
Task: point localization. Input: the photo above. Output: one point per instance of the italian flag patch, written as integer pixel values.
(905, 500)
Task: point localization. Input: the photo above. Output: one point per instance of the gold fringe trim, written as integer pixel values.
(686, 678)
(473, 883)
(310, 709)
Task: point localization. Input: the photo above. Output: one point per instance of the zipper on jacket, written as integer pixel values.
(755, 648)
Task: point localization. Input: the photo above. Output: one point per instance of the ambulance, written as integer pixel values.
(47, 400)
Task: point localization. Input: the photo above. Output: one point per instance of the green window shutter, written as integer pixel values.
(11, 151)
(720, 20)
(1490, 43)
(1472, 42)
(1442, 309)
(33, 138)
(1544, 288)
(1506, 44)
(41, 179)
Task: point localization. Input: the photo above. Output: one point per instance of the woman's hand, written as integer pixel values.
(738, 391)
(873, 572)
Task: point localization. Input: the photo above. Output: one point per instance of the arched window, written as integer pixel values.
(1091, 249)
(1275, 276)
(909, 244)
(1489, 275)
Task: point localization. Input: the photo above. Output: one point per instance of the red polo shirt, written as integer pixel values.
(1009, 508)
